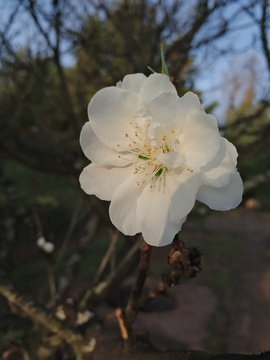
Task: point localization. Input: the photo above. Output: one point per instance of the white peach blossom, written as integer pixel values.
(153, 154)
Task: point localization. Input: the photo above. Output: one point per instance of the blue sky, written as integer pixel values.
(216, 72)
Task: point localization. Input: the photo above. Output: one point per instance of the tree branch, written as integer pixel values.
(99, 292)
(264, 28)
(132, 305)
(39, 315)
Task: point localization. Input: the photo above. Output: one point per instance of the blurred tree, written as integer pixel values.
(247, 127)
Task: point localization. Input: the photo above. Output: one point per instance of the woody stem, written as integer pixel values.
(128, 315)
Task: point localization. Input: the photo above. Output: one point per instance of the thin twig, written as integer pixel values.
(114, 238)
(51, 281)
(99, 292)
(122, 325)
(69, 232)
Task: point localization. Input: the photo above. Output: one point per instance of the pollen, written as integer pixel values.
(173, 131)
(126, 135)
(118, 145)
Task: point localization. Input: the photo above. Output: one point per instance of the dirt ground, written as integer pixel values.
(249, 329)
(184, 319)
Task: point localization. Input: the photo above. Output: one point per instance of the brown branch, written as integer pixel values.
(31, 157)
(264, 28)
(182, 261)
(127, 316)
(51, 280)
(185, 41)
(55, 48)
(129, 345)
(39, 315)
(132, 305)
(100, 291)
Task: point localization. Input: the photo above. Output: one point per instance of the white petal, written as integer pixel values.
(171, 160)
(110, 111)
(153, 211)
(102, 181)
(133, 82)
(95, 150)
(184, 197)
(124, 205)
(200, 132)
(217, 172)
(155, 85)
(202, 139)
(164, 108)
(222, 198)
(162, 211)
(191, 101)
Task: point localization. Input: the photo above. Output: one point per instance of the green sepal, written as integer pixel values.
(143, 157)
(164, 69)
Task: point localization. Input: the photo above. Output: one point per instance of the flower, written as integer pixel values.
(153, 154)
(44, 245)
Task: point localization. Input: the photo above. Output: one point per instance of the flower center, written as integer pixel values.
(157, 150)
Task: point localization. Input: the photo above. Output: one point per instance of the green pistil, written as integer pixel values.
(160, 171)
(143, 157)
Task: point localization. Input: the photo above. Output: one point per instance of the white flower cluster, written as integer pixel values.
(153, 154)
(44, 245)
